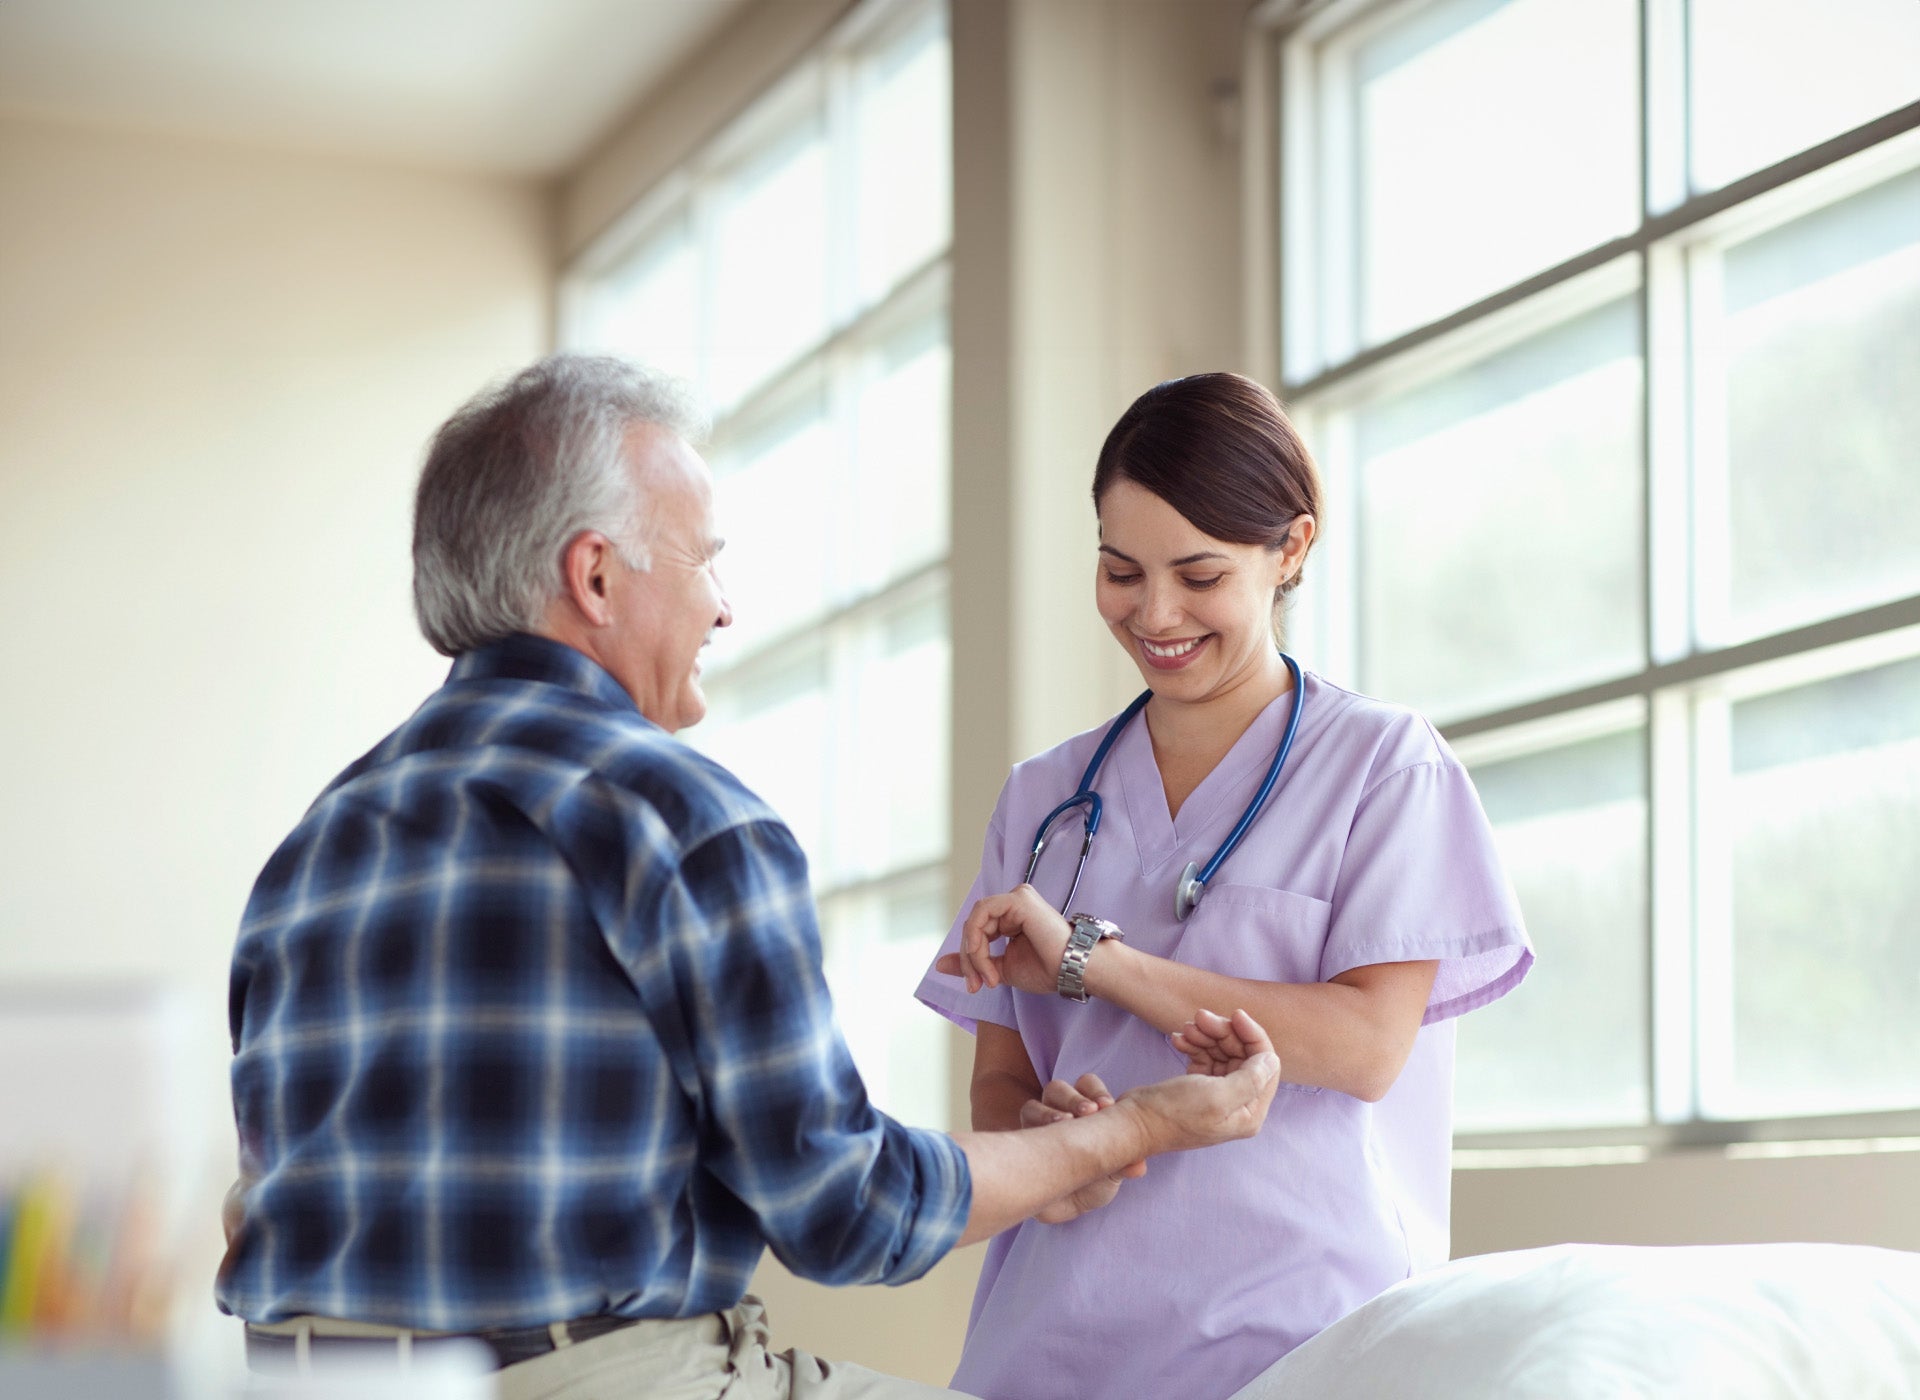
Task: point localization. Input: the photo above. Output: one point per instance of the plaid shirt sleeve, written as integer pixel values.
(841, 1193)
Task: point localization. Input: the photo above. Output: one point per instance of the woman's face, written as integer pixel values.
(1194, 613)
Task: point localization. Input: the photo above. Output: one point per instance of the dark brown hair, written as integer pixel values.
(1219, 449)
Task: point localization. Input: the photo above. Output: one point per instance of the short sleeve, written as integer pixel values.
(948, 994)
(1421, 879)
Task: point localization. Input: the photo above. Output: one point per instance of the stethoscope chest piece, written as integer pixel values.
(1186, 894)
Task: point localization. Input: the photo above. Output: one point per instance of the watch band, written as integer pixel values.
(1085, 931)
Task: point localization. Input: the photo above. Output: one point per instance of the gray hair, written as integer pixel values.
(516, 474)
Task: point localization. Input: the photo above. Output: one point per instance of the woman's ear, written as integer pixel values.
(1293, 549)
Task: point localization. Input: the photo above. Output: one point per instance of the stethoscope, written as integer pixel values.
(1193, 880)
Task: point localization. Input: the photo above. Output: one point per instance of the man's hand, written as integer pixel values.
(1060, 1102)
(1035, 934)
(1224, 1094)
(1018, 1175)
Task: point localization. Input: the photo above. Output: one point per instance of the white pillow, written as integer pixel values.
(1577, 1321)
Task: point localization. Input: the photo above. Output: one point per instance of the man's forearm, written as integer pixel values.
(1016, 1174)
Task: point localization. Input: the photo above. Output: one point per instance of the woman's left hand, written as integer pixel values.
(1060, 1102)
(1035, 934)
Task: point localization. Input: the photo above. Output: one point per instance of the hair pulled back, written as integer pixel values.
(1219, 449)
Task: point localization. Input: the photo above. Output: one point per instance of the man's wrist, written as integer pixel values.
(1141, 1129)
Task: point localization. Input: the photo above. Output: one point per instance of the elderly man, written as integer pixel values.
(531, 1044)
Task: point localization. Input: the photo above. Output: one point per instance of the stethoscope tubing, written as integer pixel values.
(1273, 775)
(1192, 883)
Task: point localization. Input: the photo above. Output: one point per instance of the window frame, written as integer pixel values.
(825, 377)
(1684, 677)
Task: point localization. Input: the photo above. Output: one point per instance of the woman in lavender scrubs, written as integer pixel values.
(1364, 910)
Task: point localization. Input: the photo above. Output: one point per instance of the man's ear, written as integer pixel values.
(585, 576)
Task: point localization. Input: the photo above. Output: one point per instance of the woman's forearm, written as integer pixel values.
(1352, 1034)
(997, 1099)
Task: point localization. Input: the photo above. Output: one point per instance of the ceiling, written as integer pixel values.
(513, 87)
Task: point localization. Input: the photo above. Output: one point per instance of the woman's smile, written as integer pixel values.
(1174, 653)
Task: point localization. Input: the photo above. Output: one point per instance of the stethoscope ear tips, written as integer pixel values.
(1186, 894)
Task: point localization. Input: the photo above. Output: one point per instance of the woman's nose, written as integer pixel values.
(1159, 609)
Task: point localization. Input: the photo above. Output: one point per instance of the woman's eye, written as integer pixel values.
(1204, 582)
(1112, 577)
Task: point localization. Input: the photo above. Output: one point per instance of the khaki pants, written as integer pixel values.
(699, 1358)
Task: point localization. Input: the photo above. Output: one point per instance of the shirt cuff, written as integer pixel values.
(946, 1199)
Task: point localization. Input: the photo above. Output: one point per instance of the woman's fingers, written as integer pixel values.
(973, 943)
(976, 936)
(1065, 1098)
(955, 965)
(1251, 1035)
(1091, 1085)
(1224, 1033)
(1034, 1114)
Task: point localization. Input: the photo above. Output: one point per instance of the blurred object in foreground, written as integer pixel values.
(452, 1372)
(80, 1271)
(97, 1159)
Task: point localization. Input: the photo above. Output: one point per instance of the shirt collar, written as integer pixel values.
(525, 657)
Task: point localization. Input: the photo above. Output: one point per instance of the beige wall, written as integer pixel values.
(218, 368)
(1694, 1197)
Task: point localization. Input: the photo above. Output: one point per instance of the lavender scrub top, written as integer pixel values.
(1372, 849)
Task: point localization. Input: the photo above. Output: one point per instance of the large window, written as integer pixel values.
(1604, 316)
(796, 272)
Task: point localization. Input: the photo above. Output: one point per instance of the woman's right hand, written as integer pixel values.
(1060, 1102)
(1035, 934)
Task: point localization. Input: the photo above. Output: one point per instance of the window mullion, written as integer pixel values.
(1712, 507)
(1713, 942)
(1670, 964)
(843, 193)
(1663, 105)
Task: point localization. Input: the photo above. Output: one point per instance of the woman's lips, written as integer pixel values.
(1174, 654)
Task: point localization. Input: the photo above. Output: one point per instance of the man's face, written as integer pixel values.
(664, 614)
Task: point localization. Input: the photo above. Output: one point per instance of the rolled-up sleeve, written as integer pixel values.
(842, 1193)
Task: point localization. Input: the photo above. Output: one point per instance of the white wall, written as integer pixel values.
(218, 368)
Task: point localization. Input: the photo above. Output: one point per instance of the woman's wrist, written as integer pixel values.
(1107, 970)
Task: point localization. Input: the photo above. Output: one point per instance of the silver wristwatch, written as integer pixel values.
(1086, 931)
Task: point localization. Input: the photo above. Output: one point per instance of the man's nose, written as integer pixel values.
(726, 613)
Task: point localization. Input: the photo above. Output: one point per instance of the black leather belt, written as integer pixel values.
(277, 1351)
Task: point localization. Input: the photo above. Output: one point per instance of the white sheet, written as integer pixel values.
(1747, 1322)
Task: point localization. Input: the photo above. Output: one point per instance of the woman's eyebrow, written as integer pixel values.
(1201, 557)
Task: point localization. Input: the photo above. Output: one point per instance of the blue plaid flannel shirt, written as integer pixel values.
(529, 1025)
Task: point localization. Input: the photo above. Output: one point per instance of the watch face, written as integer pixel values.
(1096, 928)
